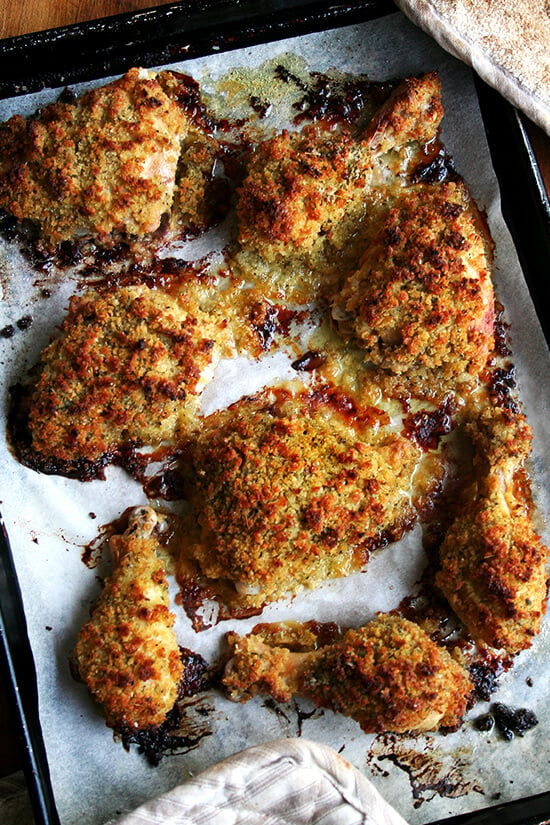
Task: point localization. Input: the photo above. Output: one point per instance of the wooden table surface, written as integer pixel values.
(24, 16)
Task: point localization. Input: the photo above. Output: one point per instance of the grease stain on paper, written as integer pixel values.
(430, 771)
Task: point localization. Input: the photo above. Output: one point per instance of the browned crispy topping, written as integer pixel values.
(388, 675)
(128, 369)
(290, 490)
(127, 653)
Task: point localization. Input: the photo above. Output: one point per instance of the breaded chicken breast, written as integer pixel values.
(387, 675)
(302, 186)
(289, 490)
(101, 162)
(127, 653)
(493, 562)
(422, 296)
(126, 371)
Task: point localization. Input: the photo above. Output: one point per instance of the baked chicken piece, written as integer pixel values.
(302, 187)
(422, 297)
(102, 162)
(127, 653)
(127, 371)
(388, 675)
(493, 562)
(289, 490)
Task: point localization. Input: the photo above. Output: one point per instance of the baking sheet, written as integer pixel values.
(49, 519)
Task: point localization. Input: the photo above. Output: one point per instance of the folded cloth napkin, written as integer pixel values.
(285, 782)
(507, 42)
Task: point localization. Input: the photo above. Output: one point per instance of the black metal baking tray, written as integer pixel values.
(193, 28)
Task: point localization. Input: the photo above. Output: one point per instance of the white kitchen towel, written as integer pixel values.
(284, 782)
(507, 42)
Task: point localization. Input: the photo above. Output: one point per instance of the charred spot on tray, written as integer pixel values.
(188, 96)
(25, 322)
(195, 594)
(326, 633)
(485, 675)
(8, 331)
(485, 723)
(284, 74)
(261, 107)
(309, 362)
(269, 320)
(437, 168)
(8, 226)
(67, 96)
(502, 382)
(196, 676)
(338, 100)
(513, 721)
(169, 485)
(426, 428)
(168, 739)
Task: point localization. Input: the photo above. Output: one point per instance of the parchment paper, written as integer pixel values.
(50, 518)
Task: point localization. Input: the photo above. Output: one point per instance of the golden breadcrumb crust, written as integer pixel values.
(493, 563)
(412, 113)
(422, 296)
(289, 491)
(309, 188)
(127, 370)
(127, 653)
(388, 676)
(104, 161)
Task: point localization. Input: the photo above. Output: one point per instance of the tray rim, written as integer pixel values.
(193, 28)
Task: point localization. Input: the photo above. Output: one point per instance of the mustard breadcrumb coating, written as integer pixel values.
(105, 161)
(388, 675)
(287, 491)
(422, 296)
(127, 653)
(309, 188)
(493, 562)
(127, 370)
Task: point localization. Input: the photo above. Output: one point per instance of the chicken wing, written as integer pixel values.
(387, 675)
(493, 563)
(127, 653)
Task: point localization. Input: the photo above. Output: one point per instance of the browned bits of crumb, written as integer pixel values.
(295, 190)
(127, 653)
(422, 296)
(292, 490)
(304, 189)
(104, 161)
(127, 369)
(387, 675)
(413, 112)
(493, 563)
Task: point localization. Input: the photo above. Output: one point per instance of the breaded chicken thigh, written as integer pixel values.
(422, 297)
(493, 562)
(387, 675)
(127, 653)
(301, 186)
(104, 161)
(127, 370)
(289, 490)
